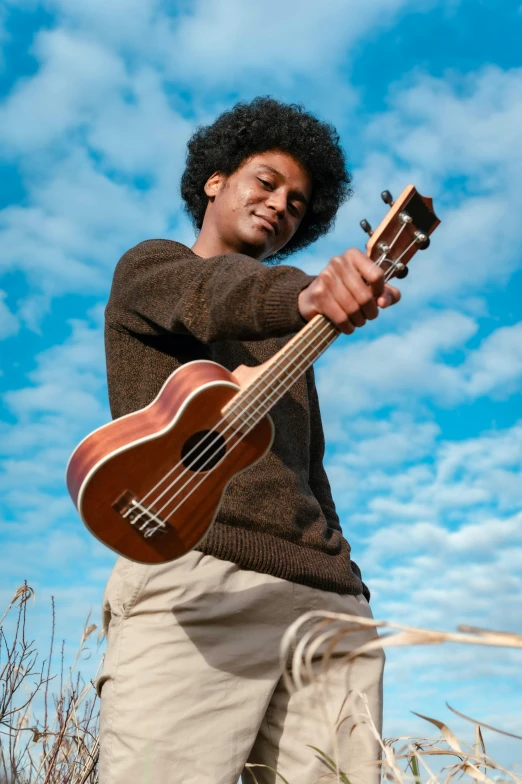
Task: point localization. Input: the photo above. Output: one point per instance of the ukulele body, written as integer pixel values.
(149, 485)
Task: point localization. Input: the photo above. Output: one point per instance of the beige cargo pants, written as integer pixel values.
(191, 688)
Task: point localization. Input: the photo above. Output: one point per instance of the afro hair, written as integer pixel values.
(262, 125)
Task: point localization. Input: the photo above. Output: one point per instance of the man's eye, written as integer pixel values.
(265, 183)
(294, 210)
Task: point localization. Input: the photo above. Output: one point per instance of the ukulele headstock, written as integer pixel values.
(405, 230)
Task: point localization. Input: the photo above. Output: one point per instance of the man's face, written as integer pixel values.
(258, 208)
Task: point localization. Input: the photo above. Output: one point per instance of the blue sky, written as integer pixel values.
(421, 408)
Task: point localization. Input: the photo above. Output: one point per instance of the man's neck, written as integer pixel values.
(211, 243)
(207, 246)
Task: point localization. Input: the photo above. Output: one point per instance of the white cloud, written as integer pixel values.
(426, 575)
(9, 323)
(122, 23)
(439, 540)
(428, 538)
(140, 133)
(469, 128)
(441, 536)
(457, 138)
(115, 114)
(4, 35)
(84, 207)
(79, 224)
(399, 369)
(384, 371)
(460, 124)
(398, 440)
(63, 400)
(68, 379)
(438, 535)
(228, 42)
(75, 77)
(443, 480)
(216, 41)
(497, 365)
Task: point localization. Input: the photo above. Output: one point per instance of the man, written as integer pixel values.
(191, 689)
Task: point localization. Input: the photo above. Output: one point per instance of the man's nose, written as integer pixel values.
(277, 202)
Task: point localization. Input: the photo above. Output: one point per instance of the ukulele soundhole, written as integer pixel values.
(203, 450)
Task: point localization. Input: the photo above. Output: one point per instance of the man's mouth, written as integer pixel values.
(267, 224)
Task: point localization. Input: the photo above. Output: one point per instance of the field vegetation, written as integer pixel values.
(49, 716)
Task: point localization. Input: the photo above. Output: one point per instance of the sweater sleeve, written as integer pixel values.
(161, 286)
(318, 479)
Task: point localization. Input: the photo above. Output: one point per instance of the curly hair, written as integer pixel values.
(262, 125)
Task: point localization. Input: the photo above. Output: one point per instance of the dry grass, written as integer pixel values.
(404, 759)
(61, 746)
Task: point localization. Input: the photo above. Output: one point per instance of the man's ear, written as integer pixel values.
(214, 184)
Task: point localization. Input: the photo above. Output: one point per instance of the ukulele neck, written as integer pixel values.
(254, 400)
(404, 231)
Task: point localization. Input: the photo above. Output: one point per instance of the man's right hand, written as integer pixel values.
(349, 291)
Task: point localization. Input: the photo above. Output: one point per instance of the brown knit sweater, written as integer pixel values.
(168, 306)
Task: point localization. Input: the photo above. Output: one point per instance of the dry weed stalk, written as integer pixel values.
(61, 748)
(316, 635)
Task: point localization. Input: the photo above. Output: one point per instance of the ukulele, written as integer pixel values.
(149, 485)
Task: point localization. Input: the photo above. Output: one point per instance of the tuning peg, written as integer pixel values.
(422, 240)
(401, 271)
(365, 226)
(387, 198)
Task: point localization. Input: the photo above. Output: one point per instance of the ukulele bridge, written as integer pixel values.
(143, 518)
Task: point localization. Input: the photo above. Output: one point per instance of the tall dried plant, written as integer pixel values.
(317, 634)
(61, 747)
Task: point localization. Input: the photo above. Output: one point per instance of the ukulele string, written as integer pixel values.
(387, 277)
(303, 363)
(298, 370)
(243, 435)
(378, 262)
(210, 457)
(394, 240)
(395, 262)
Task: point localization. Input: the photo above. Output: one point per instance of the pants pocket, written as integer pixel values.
(132, 587)
(123, 590)
(121, 595)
